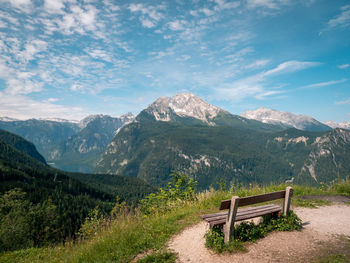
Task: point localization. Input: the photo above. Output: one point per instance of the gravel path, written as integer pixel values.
(320, 225)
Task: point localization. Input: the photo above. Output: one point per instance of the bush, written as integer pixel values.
(214, 239)
(249, 232)
(181, 188)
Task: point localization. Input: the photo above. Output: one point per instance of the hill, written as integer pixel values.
(32, 192)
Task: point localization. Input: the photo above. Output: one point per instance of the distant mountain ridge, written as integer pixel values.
(286, 119)
(218, 146)
(80, 151)
(343, 125)
(68, 145)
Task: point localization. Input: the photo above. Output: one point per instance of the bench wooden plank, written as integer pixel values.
(245, 217)
(251, 200)
(239, 211)
(246, 212)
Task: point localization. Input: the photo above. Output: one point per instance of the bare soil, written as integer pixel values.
(319, 237)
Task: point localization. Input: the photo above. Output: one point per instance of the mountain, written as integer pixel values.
(286, 119)
(188, 109)
(80, 151)
(21, 145)
(68, 145)
(45, 134)
(343, 125)
(165, 138)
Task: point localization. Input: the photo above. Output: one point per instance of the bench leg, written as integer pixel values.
(230, 220)
(286, 204)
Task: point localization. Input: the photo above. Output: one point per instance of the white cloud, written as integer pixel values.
(32, 48)
(259, 85)
(150, 15)
(344, 66)
(177, 25)
(147, 23)
(23, 5)
(291, 66)
(99, 54)
(342, 20)
(54, 6)
(324, 84)
(271, 4)
(222, 4)
(22, 107)
(342, 102)
(257, 64)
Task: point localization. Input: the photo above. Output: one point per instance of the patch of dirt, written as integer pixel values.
(316, 239)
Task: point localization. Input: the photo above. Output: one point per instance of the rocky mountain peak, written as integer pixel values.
(285, 119)
(183, 105)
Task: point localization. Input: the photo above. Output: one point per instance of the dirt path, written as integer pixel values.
(316, 238)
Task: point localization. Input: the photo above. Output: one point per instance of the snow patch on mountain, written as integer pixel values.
(183, 105)
(7, 119)
(343, 125)
(285, 119)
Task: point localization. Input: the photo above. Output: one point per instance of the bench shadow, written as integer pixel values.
(306, 223)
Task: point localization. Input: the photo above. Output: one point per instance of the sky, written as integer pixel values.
(71, 58)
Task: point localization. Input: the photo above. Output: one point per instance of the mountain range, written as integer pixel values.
(186, 133)
(69, 145)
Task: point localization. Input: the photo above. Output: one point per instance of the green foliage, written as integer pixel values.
(160, 257)
(334, 259)
(133, 234)
(23, 224)
(182, 188)
(250, 232)
(214, 239)
(92, 224)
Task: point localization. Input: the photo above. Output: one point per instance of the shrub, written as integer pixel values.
(181, 188)
(249, 232)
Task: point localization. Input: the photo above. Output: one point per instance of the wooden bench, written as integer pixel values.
(228, 218)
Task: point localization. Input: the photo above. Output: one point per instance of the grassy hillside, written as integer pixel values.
(40, 205)
(132, 233)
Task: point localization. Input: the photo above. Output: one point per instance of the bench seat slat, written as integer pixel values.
(204, 217)
(244, 216)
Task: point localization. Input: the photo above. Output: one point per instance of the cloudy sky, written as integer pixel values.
(71, 58)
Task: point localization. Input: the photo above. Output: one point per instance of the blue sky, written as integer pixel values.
(71, 58)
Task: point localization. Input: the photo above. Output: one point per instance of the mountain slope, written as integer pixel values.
(21, 145)
(80, 151)
(286, 119)
(44, 134)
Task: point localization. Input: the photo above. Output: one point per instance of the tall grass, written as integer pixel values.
(131, 232)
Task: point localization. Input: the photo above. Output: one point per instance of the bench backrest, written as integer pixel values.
(251, 200)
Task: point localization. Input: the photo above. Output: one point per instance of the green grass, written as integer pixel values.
(159, 257)
(334, 259)
(130, 235)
